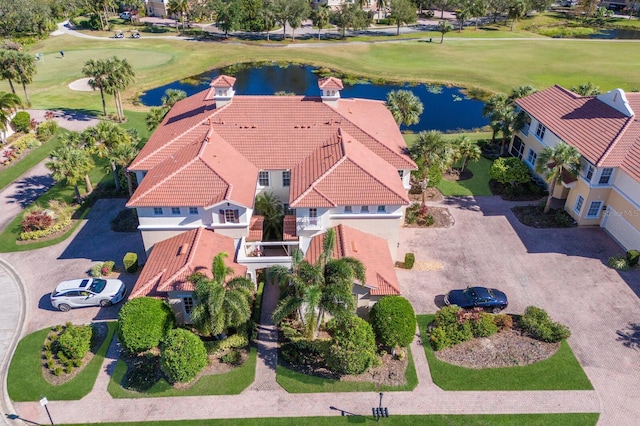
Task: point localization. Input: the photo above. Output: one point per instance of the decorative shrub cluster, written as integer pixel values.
(125, 221)
(299, 350)
(353, 346)
(419, 214)
(35, 235)
(143, 322)
(409, 260)
(619, 263)
(510, 170)
(46, 130)
(22, 122)
(75, 341)
(235, 341)
(182, 355)
(102, 269)
(633, 256)
(455, 325)
(130, 262)
(537, 323)
(393, 321)
(37, 220)
(232, 357)
(66, 347)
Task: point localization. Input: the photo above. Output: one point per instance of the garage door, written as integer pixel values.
(621, 230)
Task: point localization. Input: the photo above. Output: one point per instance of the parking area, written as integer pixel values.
(41, 270)
(561, 270)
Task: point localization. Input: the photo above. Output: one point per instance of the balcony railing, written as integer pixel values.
(308, 223)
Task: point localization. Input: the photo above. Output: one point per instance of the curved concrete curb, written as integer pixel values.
(6, 406)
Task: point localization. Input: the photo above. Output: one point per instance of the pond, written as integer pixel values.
(619, 34)
(446, 109)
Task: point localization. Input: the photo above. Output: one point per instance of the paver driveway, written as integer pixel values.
(561, 270)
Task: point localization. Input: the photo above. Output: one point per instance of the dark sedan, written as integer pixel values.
(481, 297)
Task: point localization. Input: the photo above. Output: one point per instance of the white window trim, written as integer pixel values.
(597, 215)
(158, 213)
(288, 178)
(601, 174)
(531, 150)
(575, 205)
(268, 179)
(174, 212)
(541, 130)
(191, 212)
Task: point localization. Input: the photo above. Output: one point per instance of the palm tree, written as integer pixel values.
(404, 106)
(321, 16)
(103, 140)
(69, 164)
(430, 150)
(98, 73)
(172, 97)
(269, 206)
(500, 109)
(9, 102)
(586, 89)
(120, 75)
(311, 290)
(155, 117)
(8, 67)
(220, 303)
(123, 154)
(26, 69)
(443, 28)
(552, 161)
(178, 7)
(467, 150)
(75, 140)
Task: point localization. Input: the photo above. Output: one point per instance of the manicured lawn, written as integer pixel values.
(560, 372)
(474, 63)
(478, 184)
(26, 383)
(100, 175)
(231, 383)
(294, 382)
(16, 170)
(578, 419)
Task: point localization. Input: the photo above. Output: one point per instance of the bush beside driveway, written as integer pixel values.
(561, 270)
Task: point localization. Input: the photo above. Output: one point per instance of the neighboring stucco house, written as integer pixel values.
(332, 162)
(157, 8)
(606, 131)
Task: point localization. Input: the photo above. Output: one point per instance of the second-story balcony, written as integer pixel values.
(308, 223)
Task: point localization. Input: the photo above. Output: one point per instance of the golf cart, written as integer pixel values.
(135, 34)
(118, 34)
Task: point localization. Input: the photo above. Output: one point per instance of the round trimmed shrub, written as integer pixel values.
(75, 341)
(510, 170)
(143, 322)
(21, 122)
(182, 355)
(353, 346)
(393, 321)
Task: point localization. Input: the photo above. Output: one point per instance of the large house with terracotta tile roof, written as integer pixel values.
(331, 162)
(606, 131)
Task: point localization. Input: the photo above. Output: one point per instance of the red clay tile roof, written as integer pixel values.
(289, 228)
(345, 172)
(172, 261)
(268, 133)
(223, 81)
(275, 132)
(372, 251)
(330, 83)
(627, 150)
(201, 174)
(602, 134)
(255, 228)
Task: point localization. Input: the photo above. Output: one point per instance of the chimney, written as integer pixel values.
(330, 88)
(221, 90)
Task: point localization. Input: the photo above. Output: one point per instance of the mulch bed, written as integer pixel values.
(455, 175)
(507, 348)
(534, 217)
(100, 333)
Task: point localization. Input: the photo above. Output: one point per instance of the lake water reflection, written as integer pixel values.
(445, 108)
